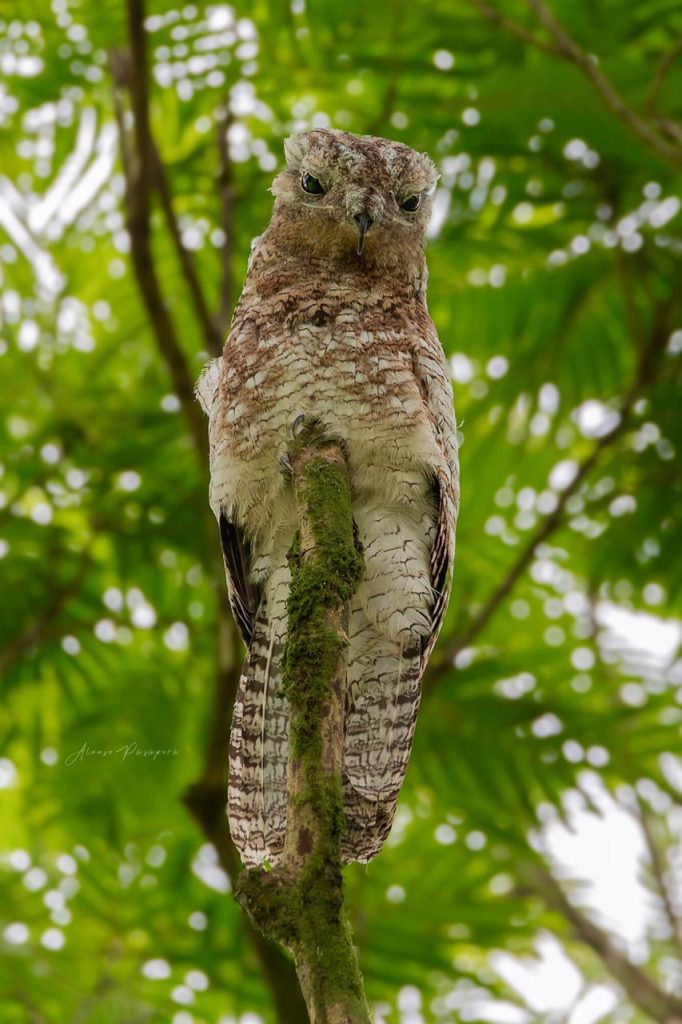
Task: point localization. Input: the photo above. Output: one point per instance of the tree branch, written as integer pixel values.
(658, 871)
(226, 192)
(665, 124)
(660, 73)
(641, 988)
(139, 176)
(123, 72)
(567, 47)
(213, 339)
(43, 625)
(300, 902)
(564, 46)
(509, 25)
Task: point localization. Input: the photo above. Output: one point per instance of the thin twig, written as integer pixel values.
(226, 193)
(660, 73)
(658, 871)
(212, 336)
(520, 31)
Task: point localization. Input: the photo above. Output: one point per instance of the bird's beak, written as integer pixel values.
(364, 223)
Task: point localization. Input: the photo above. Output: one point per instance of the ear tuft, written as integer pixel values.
(294, 148)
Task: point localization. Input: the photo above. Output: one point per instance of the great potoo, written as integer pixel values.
(332, 324)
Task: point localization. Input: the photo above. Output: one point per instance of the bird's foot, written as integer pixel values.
(285, 464)
(308, 430)
(297, 425)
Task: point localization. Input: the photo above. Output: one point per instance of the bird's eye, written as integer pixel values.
(311, 185)
(411, 203)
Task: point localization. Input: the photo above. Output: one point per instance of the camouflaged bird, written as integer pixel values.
(332, 324)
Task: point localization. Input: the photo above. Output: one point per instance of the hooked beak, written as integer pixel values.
(364, 223)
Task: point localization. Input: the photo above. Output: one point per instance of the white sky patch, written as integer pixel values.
(594, 419)
(8, 773)
(439, 212)
(549, 982)
(49, 278)
(197, 980)
(16, 933)
(52, 938)
(198, 920)
(156, 970)
(205, 866)
(69, 174)
(563, 474)
(595, 1004)
(462, 368)
(639, 637)
(497, 1012)
(444, 60)
(94, 179)
(34, 879)
(605, 853)
(19, 860)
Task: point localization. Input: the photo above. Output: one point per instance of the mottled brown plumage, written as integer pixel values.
(342, 335)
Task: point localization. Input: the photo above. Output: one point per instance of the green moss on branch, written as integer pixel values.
(300, 902)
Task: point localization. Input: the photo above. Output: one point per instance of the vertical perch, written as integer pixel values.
(300, 902)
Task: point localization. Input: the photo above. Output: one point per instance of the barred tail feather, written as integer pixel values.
(381, 712)
(383, 691)
(259, 737)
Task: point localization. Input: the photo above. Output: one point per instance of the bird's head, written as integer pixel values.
(355, 197)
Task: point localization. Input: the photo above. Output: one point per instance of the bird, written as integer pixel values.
(332, 324)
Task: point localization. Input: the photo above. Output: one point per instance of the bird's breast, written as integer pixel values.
(339, 364)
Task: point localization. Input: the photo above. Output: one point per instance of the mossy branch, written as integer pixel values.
(300, 902)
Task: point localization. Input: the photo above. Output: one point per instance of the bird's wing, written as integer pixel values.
(434, 382)
(244, 596)
(384, 677)
(258, 737)
(237, 556)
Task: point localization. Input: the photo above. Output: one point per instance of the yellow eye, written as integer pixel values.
(311, 185)
(411, 203)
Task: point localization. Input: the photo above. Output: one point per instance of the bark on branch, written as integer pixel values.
(300, 902)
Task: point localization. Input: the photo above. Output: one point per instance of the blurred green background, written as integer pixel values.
(534, 872)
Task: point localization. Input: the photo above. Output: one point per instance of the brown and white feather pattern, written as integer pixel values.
(347, 339)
